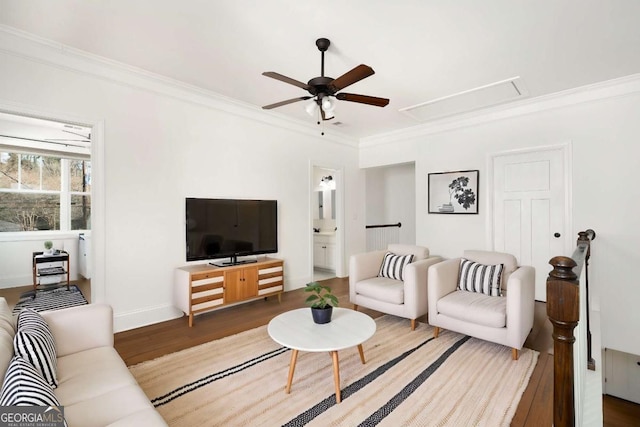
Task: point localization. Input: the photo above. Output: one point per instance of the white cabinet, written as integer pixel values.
(84, 255)
(330, 256)
(324, 250)
(318, 254)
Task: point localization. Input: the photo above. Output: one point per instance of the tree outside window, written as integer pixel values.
(31, 191)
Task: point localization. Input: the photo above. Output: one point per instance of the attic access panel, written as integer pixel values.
(470, 100)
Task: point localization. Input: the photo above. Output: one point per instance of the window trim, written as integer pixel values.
(64, 194)
(39, 236)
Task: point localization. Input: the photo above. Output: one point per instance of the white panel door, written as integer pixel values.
(529, 190)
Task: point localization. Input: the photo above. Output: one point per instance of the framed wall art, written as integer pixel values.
(453, 192)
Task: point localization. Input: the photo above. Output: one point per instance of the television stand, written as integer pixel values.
(233, 261)
(201, 287)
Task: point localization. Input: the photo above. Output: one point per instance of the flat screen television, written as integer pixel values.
(229, 228)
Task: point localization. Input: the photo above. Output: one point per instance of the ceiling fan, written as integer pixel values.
(325, 90)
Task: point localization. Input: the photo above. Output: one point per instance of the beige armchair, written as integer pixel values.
(505, 319)
(406, 298)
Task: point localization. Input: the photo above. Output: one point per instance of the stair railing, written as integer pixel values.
(564, 306)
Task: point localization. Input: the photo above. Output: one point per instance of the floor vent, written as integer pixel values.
(468, 100)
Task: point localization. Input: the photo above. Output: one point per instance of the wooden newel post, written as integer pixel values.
(563, 309)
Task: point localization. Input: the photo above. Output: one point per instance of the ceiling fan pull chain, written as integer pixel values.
(320, 121)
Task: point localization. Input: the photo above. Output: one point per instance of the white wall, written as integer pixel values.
(15, 257)
(604, 135)
(161, 146)
(390, 193)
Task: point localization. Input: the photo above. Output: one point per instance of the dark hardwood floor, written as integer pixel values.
(535, 408)
(139, 345)
(620, 413)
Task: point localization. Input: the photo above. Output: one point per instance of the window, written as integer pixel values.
(44, 192)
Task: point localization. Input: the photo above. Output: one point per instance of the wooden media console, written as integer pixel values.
(204, 287)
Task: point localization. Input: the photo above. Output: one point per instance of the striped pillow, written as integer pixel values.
(34, 342)
(28, 318)
(476, 277)
(23, 386)
(393, 265)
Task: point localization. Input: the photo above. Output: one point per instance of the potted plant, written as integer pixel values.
(48, 247)
(321, 302)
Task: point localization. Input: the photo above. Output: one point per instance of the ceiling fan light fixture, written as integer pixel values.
(328, 104)
(312, 108)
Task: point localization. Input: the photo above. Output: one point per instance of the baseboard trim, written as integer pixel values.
(124, 321)
(15, 282)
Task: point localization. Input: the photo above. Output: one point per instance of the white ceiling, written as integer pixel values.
(421, 50)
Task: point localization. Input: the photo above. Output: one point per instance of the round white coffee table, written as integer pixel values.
(296, 330)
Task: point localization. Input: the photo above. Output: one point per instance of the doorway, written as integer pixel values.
(74, 146)
(530, 201)
(324, 218)
(390, 199)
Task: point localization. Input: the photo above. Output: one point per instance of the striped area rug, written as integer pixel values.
(410, 379)
(52, 299)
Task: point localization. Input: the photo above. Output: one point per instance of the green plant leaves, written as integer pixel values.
(332, 300)
(322, 296)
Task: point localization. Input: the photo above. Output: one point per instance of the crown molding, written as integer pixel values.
(38, 49)
(589, 93)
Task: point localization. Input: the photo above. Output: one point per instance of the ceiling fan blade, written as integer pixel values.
(363, 99)
(288, 101)
(350, 77)
(286, 79)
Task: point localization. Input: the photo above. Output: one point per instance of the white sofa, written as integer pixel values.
(95, 387)
(406, 298)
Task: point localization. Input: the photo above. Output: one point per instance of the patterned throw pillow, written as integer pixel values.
(29, 318)
(24, 386)
(34, 342)
(476, 277)
(393, 265)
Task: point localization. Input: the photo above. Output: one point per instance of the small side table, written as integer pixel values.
(42, 267)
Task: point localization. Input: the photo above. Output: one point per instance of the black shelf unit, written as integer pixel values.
(38, 272)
